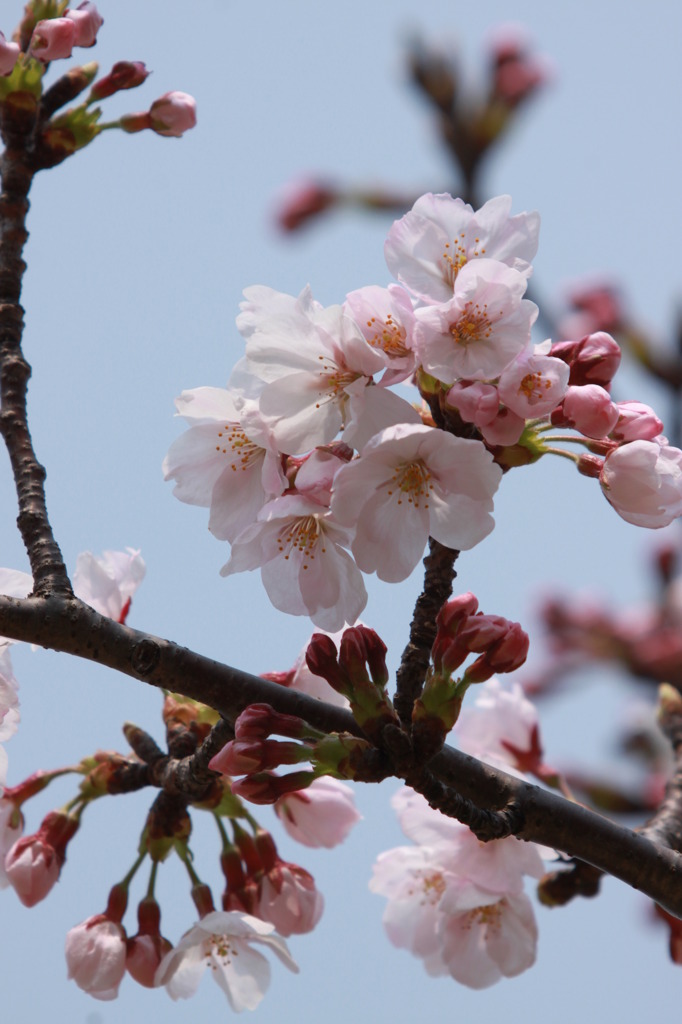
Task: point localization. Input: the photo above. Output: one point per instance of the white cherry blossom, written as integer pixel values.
(321, 815)
(386, 318)
(409, 483)
(300, 549)
(96, 956)
(108, 582)
(481, 329)
(222, 940)
(427, 248)
(643, 482)
(225, 461)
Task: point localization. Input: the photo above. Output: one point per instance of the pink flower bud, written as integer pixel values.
(360, 645)
(455, 611)
(322, 658)
(476, 402)
(146, 950)
(594, 359)
(53, 39)
(304, 202)
(320, 816)
(589, 409)
(124, 75)
(636, 422)
(602, 303)
(9, 52)
(87, 21)
(33, 864)
(96, 956)
(643, 482)
(258, 721)
(173, 114)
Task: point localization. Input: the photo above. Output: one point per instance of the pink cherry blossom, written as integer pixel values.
(34, 863)
(321, 815)
(53, 39)
(9, 53)
(9, 699)
(386, 319)
(173, 114)
(88, 22)
(225, 461)
(483, 327)
(223, 940)
(146, 949)
(534, 383)
(427, 248)
(593, 359)
(289, 900)
(310, 369)
(485, 937)
(96, 956)
(409, 483)
(476, 402)
(300, 549)
(109, 582)
(11, 827)
(499, 716)
(303, 201)
(643, 482)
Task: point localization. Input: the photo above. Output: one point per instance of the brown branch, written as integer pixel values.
(16, 172)
(74, 628)
(439, 574)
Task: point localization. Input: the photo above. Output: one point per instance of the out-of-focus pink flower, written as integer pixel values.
(500, 718)
(600, 302)
(643, 482)
(173, 114)
(53, 39)
(302, 202)
(109, 582)
(222, 940)
(287, 895)
(87, 21)
(9, 52)
(589, 409)
(321, 815)
(96, 956)
(34, 863)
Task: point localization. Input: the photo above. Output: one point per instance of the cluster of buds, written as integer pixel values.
(501, 646)
(49, 33)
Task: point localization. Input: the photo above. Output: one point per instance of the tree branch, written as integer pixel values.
(70, 626)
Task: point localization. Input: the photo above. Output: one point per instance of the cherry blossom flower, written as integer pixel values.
(500, 716)
(33, 864)
(483, 327)
(534, 383)
(225, 461)
(636, 422)
(96, 956)
(9, 53)
(312, 372)
(53, 39)
(427, 248)
(643, 482)
(146, 949)
(299, 548)
(109, 582)
(88, 22)
(321, 815)
(11, 827)
(222, 940)
(289, 899)
(386, 319)
(589, 409)
(412, 482)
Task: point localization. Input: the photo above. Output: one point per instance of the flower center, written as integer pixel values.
(232, 439)
(455, 256)
(489, 916)
(302, 536)
(334, 380)
(474, 324)
(389, 336)
(413, 480)
(532, 386)
(218, 947)
(432, 887)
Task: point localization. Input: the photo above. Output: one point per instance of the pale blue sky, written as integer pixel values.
(138, 253)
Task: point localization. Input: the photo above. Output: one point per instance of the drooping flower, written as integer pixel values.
(643, 482)
(33, 864)
(87, 21)
(409, 483)
(225, 461)
(53, 39)
(222, 940)
(481, 329)
(300, 549)
(321, 815)
(96, 956)
(173, 114)
(427, 248)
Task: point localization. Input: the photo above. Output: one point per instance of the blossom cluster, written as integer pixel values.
(456, 903)
(316, 472)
